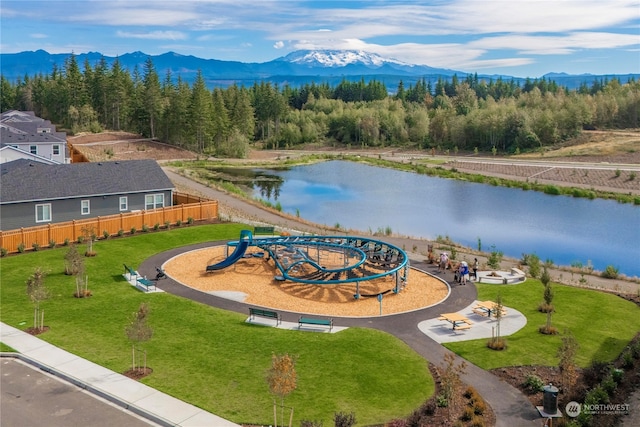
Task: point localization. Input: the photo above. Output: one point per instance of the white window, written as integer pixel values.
(153, 201)
(85, 207)
(124, 203)
(33, 149)
(43, 212)
(56, 150)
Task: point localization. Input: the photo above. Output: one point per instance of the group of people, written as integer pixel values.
(461, 270)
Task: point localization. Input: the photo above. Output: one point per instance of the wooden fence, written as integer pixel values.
(124, 223)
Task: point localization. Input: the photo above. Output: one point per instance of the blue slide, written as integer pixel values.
(238, 253)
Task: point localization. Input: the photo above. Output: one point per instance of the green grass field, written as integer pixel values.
(602, 323)
(210, 357)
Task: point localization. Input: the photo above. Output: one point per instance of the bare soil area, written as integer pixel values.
(112, 146)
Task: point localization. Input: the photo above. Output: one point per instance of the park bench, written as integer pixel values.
(264, 230)
(315, 322)
(148, 284)
(458, 327)
(253, 312)
(129, 273)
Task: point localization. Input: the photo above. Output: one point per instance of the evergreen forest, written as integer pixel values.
(457, 114)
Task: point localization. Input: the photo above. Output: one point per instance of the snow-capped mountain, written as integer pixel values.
(338, 58)
(295, 69)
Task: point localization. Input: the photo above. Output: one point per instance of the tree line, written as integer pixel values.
(459, 114)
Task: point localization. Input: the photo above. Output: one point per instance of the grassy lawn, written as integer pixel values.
(602, 324)
(210, 357)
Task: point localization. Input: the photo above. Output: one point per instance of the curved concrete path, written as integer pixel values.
(511, 407)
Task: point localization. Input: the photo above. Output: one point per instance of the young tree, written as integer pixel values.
(73, 262)
(37, 293)
(282, 379)
(547, 306)
(497, 342)
(451, 381)
(567, 354)
(89, 234)
(138, 331)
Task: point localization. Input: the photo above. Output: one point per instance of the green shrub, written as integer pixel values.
(3, 252)
(533, 384)
(342, 419)
(495, 258)
(617, 375)
(533, 261)
(105, 234)
(178, 223)
(133, 230)
(145, 228)
(120, 232)
(52, 243)
(20, 247)
(190, 219)
(156, 226)
(35, 246)
(66, 242)
(167, 224)
(610, 272)
(609, 385)
(551, 189)
(80, 239)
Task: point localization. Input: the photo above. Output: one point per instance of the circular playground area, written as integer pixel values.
(264, 275)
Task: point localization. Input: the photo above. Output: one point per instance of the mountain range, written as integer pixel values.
(295, 69)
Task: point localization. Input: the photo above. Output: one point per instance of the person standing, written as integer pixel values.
(475, 269)
(464, 272)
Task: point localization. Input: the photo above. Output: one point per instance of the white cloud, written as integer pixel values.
(557, 45)
(130, 16)
(279, 44)
(38, 36)
(154, 35)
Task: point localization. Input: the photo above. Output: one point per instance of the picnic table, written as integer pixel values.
(458, 321)
(487, 308)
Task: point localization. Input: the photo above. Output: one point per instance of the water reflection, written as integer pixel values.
(261, 182)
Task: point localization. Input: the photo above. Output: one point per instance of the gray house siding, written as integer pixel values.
(18, 215)
(26, 184)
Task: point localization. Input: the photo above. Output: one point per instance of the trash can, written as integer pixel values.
(550, 399)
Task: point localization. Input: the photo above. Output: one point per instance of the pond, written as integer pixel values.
(563, 229)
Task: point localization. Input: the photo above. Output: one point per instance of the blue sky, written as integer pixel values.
(521, 38)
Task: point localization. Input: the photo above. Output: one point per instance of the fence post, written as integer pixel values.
(99, 230)
(121, 222)
(73, 228)
(201, 211)
(49, 238)
(22, 235)
(182, 212)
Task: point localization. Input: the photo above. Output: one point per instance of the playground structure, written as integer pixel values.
(324, 260)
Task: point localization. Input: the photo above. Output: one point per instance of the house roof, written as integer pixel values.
(10, 135)
(24, 180)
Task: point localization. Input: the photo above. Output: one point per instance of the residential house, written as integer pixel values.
(35, 193)
(33, 136)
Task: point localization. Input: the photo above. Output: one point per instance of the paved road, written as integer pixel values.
(30, 397)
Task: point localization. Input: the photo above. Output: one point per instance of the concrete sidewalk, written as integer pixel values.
(136, 397)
